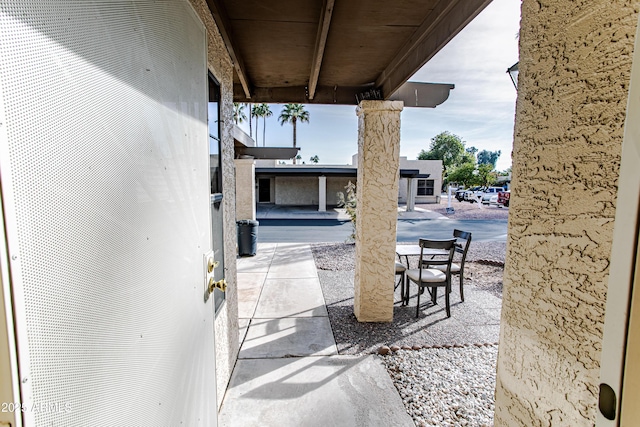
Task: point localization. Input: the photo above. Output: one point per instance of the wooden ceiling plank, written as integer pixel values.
(338, 95)
(224, 26)
(447, 20)
(273, 57)
(321, 42)
(432, 19)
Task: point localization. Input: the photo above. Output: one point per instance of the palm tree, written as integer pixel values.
(262, 110)
(291, 113)
(266, 112)
(256, 111)
(238, 113)
(250, 119)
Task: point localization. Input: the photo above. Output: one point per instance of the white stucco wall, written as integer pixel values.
(245, 189)
(296, 191)
(431, 167)
(301, 191)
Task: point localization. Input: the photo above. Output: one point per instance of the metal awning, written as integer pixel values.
(245, 146)
(327, 171)
(308, 171)
(413, 173)
(415, 94)
(270, 153)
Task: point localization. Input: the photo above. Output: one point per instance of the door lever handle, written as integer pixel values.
(220, 284)
(211, 264)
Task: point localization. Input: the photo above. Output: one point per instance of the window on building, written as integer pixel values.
(425, 187)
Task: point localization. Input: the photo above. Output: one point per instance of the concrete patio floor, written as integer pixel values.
(288, 371)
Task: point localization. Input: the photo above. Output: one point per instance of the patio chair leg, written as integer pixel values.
(461, 282)
(434, 295)
(407, 293)
(402, 295)
(448, 305)
(405, 285)
(418, 303)
(446, 296)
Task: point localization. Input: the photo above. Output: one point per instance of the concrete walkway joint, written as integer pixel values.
(289, 372)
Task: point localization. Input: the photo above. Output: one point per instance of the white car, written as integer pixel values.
(490, 196)
(473, 194)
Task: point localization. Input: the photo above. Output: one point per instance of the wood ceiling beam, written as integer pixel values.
(338, 95)
(221, 17)
(447, 19)
(321, 42)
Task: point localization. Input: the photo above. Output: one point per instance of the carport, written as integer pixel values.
(359, 53)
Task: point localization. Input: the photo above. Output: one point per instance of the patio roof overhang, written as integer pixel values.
(268, 153)
(328, 171)
(338, 52)
(245, 146)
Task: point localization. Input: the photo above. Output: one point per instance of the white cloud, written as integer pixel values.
(482, 106)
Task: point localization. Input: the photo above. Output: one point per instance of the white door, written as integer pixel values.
(621, 346)
(104, 173)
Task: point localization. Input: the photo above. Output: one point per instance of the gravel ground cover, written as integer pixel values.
(446, 386)
(466, 210)
(484, 267)
(443, 368)
(341, 256)
(477, 320)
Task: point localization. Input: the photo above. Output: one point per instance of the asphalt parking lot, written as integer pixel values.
(487, 223)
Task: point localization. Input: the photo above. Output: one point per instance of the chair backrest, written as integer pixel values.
(448, 245)
(462, 248)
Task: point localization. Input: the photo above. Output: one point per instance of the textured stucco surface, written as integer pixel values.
(296, 190)
(301, 191)
(377, 197)
(304, 190)
(226, 324)
(575, 61)
(245, 189)
(336, 185)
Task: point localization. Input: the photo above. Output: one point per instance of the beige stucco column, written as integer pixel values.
(322, 194)
(245, 189)
(411, 197)
(377, 197)
(566, 158)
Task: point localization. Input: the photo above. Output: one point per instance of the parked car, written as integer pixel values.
(460, 194)
(473, 194)
(488, 193)
(503, 198)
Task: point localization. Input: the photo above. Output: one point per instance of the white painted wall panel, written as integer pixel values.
(104, 168)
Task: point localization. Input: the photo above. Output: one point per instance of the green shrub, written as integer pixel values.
(348, 201)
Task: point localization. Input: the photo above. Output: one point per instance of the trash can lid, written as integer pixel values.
(247, 222)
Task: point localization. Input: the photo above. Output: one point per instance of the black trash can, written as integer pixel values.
(247, 237)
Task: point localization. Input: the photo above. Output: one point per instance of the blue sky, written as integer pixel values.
(480, 109)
